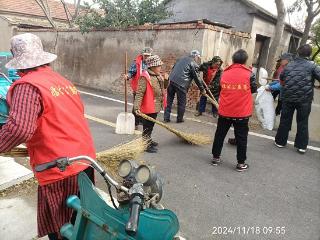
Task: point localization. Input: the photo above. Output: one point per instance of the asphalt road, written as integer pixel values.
(277, 198)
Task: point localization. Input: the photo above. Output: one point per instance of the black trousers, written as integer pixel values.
(241, 130)
(182, 101)
(302, 118)
(137, 119)
(148, 127)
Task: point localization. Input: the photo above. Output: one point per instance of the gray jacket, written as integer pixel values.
(298, 80)
(184, 71)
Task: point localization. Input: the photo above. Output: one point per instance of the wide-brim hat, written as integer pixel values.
(154, 61)
(28, 52)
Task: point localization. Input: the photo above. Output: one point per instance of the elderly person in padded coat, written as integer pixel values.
(185, 70)
(297, 81)
(151, 97)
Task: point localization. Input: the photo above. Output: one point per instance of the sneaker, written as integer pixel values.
(153, 143)
(180, 120)
(278, 145)
(232, 141)
(242, 167)
(151, 149)
(198, 114)
(215, 161)
(302, 151)
(167, 120)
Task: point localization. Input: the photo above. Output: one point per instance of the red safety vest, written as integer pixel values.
(135, 79)
(235, 96)
(147, 105)
(62, 130)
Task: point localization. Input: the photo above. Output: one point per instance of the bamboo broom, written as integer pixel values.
(112, 157)
(191, 138)
(211, 97)
(16, 152)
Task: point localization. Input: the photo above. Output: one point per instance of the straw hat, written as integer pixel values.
(154, 61)
(28, 52)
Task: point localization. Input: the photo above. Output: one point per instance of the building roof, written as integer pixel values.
(263, 13)
(31, 8)
(32, 23)
(201, 21)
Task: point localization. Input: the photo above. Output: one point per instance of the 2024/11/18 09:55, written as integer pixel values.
(250, 230)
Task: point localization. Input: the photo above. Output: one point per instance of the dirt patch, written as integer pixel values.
(23, 188)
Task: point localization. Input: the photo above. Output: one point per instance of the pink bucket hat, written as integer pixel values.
(28, 52)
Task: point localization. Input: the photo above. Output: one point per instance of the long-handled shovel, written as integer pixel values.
(125, 120)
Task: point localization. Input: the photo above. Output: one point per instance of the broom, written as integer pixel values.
(112, 157)
(16, 152)
(191, 138)
(211, 97)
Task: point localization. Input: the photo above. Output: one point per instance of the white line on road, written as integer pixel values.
(105, 122)
(197, 120)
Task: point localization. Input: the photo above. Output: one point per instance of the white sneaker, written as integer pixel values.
(302, 151)
(279, 146)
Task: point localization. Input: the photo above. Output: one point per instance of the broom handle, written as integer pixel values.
(211, 97)
(125, 84)
(157, 122)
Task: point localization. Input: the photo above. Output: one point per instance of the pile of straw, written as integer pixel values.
(191, 138)
(112, 157)
(19, 151)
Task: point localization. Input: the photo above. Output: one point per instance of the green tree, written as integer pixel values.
(315, 30)
(313, 10)
(152, 11)
(122, 14)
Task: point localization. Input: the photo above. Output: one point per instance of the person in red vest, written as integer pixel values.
(134, 74)
(235, 107)
(151, 97)
(47, 114)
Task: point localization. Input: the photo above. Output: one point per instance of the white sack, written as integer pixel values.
(264, 108)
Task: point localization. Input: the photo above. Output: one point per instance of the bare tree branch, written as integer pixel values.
(77, 7)
(45, 8)
(67, 12)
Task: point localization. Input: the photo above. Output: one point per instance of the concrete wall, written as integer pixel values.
(6, 32)
(97, 59)
(231, 12)
(265, 28)
(225, 45)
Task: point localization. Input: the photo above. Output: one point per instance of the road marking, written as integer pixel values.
(190, 119)
(105, 122)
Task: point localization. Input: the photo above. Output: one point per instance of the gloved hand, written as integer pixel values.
(203, 92)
